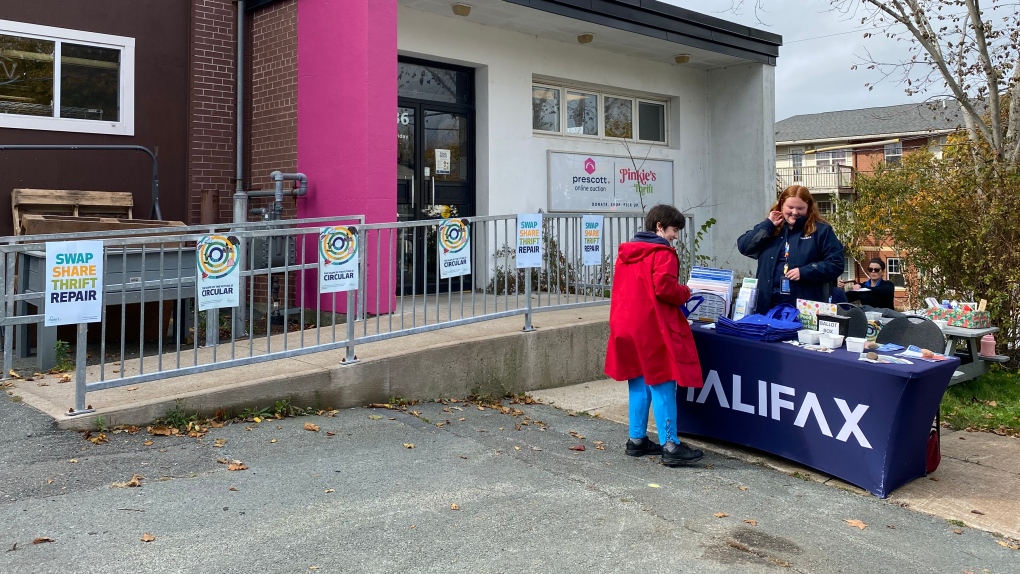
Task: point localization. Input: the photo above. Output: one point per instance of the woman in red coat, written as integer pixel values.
(650, 342)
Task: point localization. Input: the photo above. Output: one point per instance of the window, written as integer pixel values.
(894, 271)
(826, 161)
(65, 80)
(589, 113)
(848, 267)
(824, 206)
(893, 153)
(797, 159)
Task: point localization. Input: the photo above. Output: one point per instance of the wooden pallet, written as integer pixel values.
(113, 204)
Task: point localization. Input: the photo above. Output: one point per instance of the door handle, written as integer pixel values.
(412, 193)
(433, 191)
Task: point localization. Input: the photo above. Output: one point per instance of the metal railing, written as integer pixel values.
(151, 328)
(816, 177)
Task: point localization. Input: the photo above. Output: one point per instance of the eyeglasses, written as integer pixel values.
(874, 270)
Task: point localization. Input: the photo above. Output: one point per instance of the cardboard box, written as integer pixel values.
(961, 318)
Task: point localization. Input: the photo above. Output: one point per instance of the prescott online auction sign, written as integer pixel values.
(219, 282)
(74, 284)
(601, 183)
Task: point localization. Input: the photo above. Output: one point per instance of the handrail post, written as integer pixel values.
(351, 358)
(527, 300)
(81, 353)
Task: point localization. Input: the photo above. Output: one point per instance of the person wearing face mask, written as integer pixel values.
(798, 253)
(650, 342)
(875, 292)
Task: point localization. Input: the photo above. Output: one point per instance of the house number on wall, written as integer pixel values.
(402, 118)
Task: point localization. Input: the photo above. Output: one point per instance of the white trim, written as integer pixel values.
(848, 139)
(124, 126)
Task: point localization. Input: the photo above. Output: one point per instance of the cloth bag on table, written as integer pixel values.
(779, 324)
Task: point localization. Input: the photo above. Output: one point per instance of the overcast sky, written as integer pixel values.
(819, 47)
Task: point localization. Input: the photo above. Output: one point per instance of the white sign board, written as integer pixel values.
(74, 282)
(454, 247)
(600, 183)
(442, 161)
(219, 281)
(338, 259)
(529, 240)
(591, 239)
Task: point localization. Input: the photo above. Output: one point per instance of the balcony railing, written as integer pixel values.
(816, 177)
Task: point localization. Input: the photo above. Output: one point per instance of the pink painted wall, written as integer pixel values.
(347, 100)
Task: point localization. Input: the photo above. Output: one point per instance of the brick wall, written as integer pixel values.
(211, 130)
(273, 100)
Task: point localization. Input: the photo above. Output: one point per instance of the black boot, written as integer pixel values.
(641, 447)
(678, 454)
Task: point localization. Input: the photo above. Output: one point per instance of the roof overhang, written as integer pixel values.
(876, 137)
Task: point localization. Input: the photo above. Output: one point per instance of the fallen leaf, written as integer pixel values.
(856, 524)
(408, 445)
(132, 388)
(957, 531)
(375, 417)
(237, 465)
(741, 488)
(992, 404)
(257, 419)
(147, 443)
(977, 512)
(536, 448)
(890, 527)
(148, 537)
(136, 481)
(311, 427)
(160, 431)
(14, 376)
(42, 539)
(462, 419)
(751, 522)
(73, 461)
(517, 447)
(577, 435)
(330, 433)
(222, 460)
(720, 515)
(454, 506)
(578, 447)
(220, 442)
(65, 379)
(233, 489)
(274, 440)
(330, 490)
(99, 439)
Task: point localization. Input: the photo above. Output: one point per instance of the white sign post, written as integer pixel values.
(454, 247)
(218, 259)
(74, 282)
(338, 259)
(607, 184)
(529, 240)
(591, 239)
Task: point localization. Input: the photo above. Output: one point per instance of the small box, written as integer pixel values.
(833, 324)
(961, 318)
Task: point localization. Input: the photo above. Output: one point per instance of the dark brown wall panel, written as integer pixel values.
(160, 29)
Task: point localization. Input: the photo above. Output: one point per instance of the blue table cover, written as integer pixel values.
(865, 423)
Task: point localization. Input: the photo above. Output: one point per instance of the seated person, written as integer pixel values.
(875, 292)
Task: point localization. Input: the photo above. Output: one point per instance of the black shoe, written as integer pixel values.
(642, 447)
(677, 454)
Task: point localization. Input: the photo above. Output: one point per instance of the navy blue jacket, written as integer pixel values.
(819, 257)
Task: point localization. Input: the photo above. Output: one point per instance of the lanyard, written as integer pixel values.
(786, 258)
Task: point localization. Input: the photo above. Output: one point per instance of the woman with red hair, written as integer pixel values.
(798, 253)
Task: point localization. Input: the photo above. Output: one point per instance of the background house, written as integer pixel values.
(826, 151)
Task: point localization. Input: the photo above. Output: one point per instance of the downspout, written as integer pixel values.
(240, 197)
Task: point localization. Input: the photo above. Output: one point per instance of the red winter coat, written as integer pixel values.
(648, 335)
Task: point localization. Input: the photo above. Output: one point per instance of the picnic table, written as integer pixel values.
(966, 344)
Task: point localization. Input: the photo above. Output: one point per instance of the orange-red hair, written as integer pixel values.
(804, 194)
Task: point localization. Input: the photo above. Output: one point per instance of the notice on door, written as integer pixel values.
(338, 259)
(529, 240)
(218, 278)
(442, 162)
(608, 184)
(454, 248)
(74, 282)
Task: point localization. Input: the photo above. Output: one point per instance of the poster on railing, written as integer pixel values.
(74, 284)
(454, 247)
(529, 240)
(592, 239)
(338, 259)
(219, 280)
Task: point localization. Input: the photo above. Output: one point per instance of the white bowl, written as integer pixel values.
(942, 323)
(831, 341)
(808, 336)
(855, 344)
(873, 315)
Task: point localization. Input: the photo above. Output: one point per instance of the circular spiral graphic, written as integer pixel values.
(217, 256)
(453, 235)
(337, 245)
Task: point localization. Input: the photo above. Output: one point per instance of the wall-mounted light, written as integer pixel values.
(585, 38)
(682, 58)
(461, 9)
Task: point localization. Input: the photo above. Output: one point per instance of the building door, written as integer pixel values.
(435, 117)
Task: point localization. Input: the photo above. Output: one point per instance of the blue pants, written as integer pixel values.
(663, 401)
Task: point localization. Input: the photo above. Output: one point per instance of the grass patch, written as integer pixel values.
(988, 403)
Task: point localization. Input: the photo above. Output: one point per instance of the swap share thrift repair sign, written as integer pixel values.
(75, 282)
